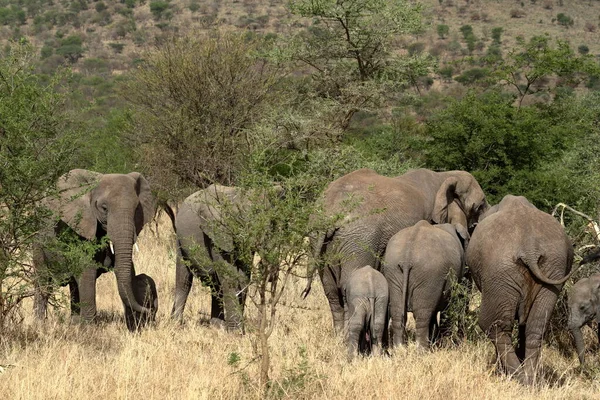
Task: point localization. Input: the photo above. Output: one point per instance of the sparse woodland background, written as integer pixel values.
(298, 93)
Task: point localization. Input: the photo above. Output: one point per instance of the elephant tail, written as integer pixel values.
(404, 304)
(371, 319)
(319, 247)
(591, 257)
(534, 267)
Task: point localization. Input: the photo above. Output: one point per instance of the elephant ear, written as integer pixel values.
(443, 198)
(74, 204)
(210, 204)
(147, 207)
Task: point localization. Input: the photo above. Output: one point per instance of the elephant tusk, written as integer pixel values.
(112, 249)
(136, 247)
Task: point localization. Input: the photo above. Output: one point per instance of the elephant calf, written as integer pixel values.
(584, 307)
(417, 264)
(144, 290)
(366, 310)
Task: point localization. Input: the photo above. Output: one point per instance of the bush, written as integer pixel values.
(100, 6)
(117, 47)
(564, 20)
(416, 48)
(71, 48)
(473, 75)
(37, 145)
(442, 31)
(46, 51)
(497, 35)
(158, 7)
(583, 49)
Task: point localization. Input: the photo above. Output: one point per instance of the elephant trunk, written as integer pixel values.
(121, 231)
(578, 337)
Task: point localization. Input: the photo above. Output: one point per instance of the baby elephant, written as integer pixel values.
(365, 310)
(144, 290)
(584, 307)
(417, 264)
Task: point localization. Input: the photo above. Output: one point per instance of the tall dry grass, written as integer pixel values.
(57, 360)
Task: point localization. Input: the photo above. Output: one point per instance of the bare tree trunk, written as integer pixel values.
(264, 336)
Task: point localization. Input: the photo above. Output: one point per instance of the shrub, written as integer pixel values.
(564, 20)
(467, 30)
(590, 27)
(117, 47)
(517, 13)
(71, 48)
(497, 34)
(416, 48)
(158, 7)
(472, 76)
(194, 6)
(46, 51)
(583, 49)
(442, 31)
(100, 6)
(446, 72)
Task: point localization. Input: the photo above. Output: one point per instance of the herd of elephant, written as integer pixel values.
(395, 249)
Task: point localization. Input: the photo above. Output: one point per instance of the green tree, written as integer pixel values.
(528, 66)
(350, 51)
(71, 48)
(37, 145)
(497, 34)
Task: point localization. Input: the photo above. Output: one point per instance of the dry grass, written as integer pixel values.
(103, 361)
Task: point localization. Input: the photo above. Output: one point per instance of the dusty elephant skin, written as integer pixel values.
(207, 251)
(144, 290)
(95, 205)
(520, 257)
(584, 307)
(366, 301)
(417, 265)
(376, 207)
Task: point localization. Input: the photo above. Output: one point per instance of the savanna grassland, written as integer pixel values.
(59, 360)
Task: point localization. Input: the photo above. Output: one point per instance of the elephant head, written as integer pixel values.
(117, 205)
(460, 189)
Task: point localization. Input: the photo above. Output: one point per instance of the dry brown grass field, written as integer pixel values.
(57, 360)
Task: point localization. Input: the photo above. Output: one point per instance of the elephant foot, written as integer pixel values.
(218, 323)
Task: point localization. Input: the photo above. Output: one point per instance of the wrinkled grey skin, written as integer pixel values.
(94, 205)
(584, 307)
(366, 302)
(144, 290)
(207, 251)
(375, 208)
(520, 257)
(418, 263)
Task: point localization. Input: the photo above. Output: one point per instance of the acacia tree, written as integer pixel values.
(536, 66)
(195, 100)
(350, 50)
(36, 147)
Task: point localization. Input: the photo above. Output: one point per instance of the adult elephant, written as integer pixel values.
(94, 205)
(207, 249)
(374, 208)
(519, 257)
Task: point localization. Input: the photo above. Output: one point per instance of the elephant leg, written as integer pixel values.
(183, 285)
(537, 321)
(396, 313)
(87, 294)
(598, 329)
(233, 282)
(334, 297)
(423, 323)
(379, 322)
(496, 321)
(216, 305)
(41, 297)
(75, 300)
(434, 328)
(354, 328)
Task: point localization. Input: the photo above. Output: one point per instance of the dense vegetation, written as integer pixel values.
(346, 88)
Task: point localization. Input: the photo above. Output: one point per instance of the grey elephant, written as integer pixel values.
(584, 307)
(366, 302)
(519, 257)
(144, 290)
(207, 250)
(93, 206)
(374, 208)
(418, 263)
